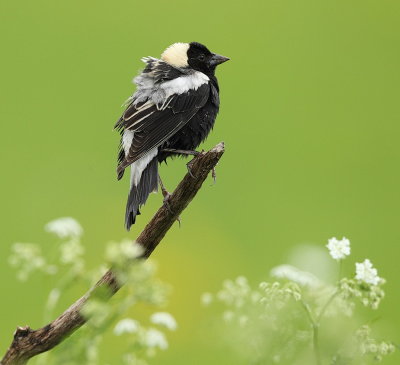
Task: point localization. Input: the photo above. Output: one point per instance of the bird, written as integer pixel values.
(170, 114)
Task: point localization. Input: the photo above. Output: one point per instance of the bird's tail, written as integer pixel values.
(140, 191)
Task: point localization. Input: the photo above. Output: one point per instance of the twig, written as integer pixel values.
(28, 343)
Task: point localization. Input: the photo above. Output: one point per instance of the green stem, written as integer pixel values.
(340, 269)
(315, 323)
(327, 304)
(315, 329)
(316, 344)
(333, 296)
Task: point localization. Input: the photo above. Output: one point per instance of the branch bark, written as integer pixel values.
(28, 343)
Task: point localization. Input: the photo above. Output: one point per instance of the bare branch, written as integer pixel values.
(28, 343)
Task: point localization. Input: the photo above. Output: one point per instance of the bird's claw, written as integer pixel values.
(214, 175)
(167, 197)
(189, 166)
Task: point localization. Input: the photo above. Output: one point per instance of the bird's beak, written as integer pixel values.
(217, 59)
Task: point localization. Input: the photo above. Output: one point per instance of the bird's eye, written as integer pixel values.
(202, 57)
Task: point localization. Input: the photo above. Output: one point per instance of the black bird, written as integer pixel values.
(172, 111)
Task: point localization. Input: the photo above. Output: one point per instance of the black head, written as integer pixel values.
(201, 59)
(193, 55)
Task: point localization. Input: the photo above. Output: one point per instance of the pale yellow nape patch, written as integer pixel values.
(176, 55)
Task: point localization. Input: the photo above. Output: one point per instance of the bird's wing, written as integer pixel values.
(153, 123)
(159, 70)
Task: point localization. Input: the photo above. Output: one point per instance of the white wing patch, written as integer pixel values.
(162, 95)
(139, 166)
(183, 84)
(127, 138)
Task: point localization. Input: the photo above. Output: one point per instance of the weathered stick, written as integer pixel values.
(28, 343)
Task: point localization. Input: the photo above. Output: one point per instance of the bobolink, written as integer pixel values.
(172, 111)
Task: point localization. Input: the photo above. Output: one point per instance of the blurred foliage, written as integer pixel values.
(139, 286)
(309, 114)
(300, 319)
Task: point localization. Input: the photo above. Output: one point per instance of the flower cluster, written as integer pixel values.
(120, 253)
(339, 249)
(295, 275)
(258, 312)
(235, 293)
(278, 294)
(27, 258)
(370, 346)
(146, 339)
(277, 319)
(101, 313)
(367, 273)
(64, 228)
(370, 295)
(164, 319)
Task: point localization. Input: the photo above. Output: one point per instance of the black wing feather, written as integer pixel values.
(161, 71)
(152, 126)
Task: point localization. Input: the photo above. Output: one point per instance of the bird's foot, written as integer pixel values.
(167, 197)
(189, 167)
(185, 152)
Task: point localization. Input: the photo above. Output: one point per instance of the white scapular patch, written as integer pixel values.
(183, 84)
(176, 55)
(138, 166)
(127, 138)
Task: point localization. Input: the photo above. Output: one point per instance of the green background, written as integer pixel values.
(309, 114)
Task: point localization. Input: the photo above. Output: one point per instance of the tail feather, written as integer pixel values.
(140, 192)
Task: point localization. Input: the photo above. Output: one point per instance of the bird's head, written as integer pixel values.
(193, 55)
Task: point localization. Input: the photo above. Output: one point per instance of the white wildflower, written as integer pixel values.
(131, 359)
(228, 316)
(27, 258)
(339, 249)
(164, 319)
(276, 359)
(119, 252)
(71, 251)
(235, 293)
(296, 275)
(51, 269)
(242, 281)
(155, 338)
(53, 298)
(126, 325)
(66, 227)
(243, 320)
(255, 297)
(367, 273)
(206, 298)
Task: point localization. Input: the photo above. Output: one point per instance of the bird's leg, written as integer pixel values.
(185, 152)
(166, 196)
(182, 152)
